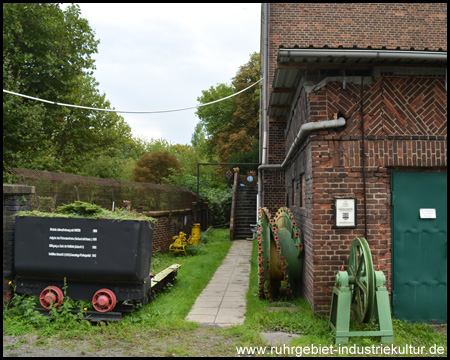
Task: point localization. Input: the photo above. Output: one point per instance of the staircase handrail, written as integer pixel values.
(233, 201)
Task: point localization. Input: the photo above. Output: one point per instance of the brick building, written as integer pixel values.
(354, 107)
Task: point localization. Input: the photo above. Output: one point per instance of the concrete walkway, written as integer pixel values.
(222, 303)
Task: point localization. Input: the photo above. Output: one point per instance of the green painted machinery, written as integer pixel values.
(280, 254)
(361, 289)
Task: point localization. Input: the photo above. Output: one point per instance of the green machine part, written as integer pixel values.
(361, 289)
(280, 254)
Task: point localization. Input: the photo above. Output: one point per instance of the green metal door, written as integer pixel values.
(419, 246)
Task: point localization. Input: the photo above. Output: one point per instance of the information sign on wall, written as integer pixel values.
(345, 212)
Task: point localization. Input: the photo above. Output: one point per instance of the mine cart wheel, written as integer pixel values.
(104, 300)
(51, 296)
(362, 277)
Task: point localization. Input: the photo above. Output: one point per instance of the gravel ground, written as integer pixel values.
(200, 342)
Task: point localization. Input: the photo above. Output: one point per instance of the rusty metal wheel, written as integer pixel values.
(280, 251)
(51, 297)
(104, 300)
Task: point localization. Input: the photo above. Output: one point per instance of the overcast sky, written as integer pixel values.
(161, 56)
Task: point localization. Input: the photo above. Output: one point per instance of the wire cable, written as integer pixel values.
(125, 111)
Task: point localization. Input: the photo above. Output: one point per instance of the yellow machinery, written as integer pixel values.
(194, 239)
(180, 241)
(179, 244)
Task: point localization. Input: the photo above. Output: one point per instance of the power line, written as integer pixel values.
(125, 111)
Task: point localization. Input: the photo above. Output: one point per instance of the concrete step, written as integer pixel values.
(243, 228)
(245, 206)
(246, 217)
(245, 212)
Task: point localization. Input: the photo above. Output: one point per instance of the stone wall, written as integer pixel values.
(15, 198)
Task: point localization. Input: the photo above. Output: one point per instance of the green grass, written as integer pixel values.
(169, 308)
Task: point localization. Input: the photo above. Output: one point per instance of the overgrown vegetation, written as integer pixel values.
(19, 316)
(81, 209)
(218, 195)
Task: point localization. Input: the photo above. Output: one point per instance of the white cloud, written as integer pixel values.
(161, 56)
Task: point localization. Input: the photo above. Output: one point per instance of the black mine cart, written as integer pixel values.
(105, 261)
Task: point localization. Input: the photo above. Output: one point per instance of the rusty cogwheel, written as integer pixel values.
(280, 254)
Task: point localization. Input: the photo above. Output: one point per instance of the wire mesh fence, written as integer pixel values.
(55, 189)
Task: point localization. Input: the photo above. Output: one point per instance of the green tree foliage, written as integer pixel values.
(232, 125)
(110, 167)
(156, 167)
(47, 53)
(251, 156)
(213, 116)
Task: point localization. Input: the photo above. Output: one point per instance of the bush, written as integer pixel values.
(219, 197)
(156, 167)
(220, 206)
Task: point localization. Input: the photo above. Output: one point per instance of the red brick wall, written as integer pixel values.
(273, 196)
(166, 228)
(405, 129)
(392, 25)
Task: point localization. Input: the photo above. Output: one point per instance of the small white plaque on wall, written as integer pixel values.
(427, 213)
(345, 212)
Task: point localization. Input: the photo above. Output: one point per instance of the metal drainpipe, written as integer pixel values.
(305, 129)
(265, 86)
(363, 157)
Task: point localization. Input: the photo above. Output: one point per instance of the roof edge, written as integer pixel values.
(439, 56)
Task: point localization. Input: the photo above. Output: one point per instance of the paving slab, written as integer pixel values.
(206, 303)
(204, 311)
(222, 303)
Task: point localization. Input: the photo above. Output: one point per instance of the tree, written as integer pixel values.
(239, 134)
(198, 139)
(156, 168)
(213, 117)
(47, 53)
(246, 115)
(233, 127)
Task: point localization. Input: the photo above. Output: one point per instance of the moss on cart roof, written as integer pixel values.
(81, 209)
